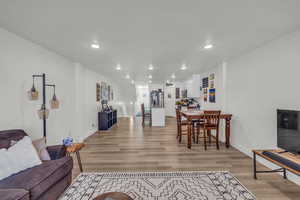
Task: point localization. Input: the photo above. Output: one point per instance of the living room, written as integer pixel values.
(84, 48)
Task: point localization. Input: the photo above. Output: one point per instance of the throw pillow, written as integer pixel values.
(41, 148)
(18, 157)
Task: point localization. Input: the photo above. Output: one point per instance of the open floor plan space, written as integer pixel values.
(149, 100)
(132, 148)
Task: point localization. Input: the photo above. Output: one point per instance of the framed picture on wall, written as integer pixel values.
(212, 95)
(212, 84)
(108, 93)
(104, 92)
(205, 82)
(205, 97)
(98, 92)
(177, 91)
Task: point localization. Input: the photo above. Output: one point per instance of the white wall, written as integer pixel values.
(258, 83)
(76, 88)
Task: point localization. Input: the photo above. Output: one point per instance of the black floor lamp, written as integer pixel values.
(33, 95)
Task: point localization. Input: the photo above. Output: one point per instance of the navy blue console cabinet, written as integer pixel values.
(107, 119)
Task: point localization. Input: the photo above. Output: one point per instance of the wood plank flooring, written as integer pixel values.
(130, 147)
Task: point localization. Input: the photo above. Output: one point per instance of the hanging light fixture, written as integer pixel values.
(33, 94)
(54, 103)
(43, 112)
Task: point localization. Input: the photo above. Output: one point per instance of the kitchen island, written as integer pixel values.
(158, 116)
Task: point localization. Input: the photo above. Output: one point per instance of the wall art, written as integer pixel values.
(177, 93)
(205, 82)
(98, 92)
(212, 95)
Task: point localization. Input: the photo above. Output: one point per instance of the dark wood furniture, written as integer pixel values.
(145, 115)
(75, 148)
(180, 126)
(191, 115)
(113, 196)
(285, 160)
(211, 122)
(106, 119)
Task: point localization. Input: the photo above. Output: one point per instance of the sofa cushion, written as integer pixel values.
(14, 194)
(10, 135)
(18, 158)
(39, 179)
(4, 144)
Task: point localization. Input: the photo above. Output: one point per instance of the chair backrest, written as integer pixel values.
(143, 109)
(212, 117)
(178, 116)
(191, 107)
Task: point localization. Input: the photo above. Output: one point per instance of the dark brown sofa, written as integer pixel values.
(44, 182)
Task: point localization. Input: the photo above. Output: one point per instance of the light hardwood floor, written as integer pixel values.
(128, 146)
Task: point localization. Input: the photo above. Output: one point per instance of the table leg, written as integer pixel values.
(254, 165)
(193, 132)
(209, 136)
(189, 143)
(79, 161)
(227, 132)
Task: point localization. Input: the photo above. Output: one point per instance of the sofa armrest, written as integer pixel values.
(14, 194)
(57, 151)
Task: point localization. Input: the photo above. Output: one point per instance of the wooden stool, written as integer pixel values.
(75, 148)
(113, 196)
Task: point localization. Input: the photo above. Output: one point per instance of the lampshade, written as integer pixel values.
(54, 103)
(33, 94)
(43, 112)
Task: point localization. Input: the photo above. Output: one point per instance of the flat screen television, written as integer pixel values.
(288, 130)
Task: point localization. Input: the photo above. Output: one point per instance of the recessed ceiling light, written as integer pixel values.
(95, 46)
(173, 76)
(118, 67)
(208, 46)
(150, 81)
(183, 67)
(132, 81)
(127, 76)
(150, 76)
(150, 67)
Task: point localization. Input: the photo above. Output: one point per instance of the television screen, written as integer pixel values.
(288, 130)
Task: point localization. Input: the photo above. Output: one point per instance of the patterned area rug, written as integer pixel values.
(159, 186)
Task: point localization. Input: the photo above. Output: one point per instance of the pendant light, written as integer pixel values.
(43, 112)
(33, 94)
(54, 103)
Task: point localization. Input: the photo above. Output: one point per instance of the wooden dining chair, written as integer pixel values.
(211, 122)
(182, 126)
(145, 115)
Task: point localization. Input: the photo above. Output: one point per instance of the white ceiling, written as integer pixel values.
(136, 33)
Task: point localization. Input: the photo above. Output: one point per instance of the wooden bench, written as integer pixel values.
(285, 160)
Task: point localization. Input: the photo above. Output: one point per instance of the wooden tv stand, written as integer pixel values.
(288, 158)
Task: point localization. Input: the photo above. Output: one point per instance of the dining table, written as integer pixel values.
(192, 115)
